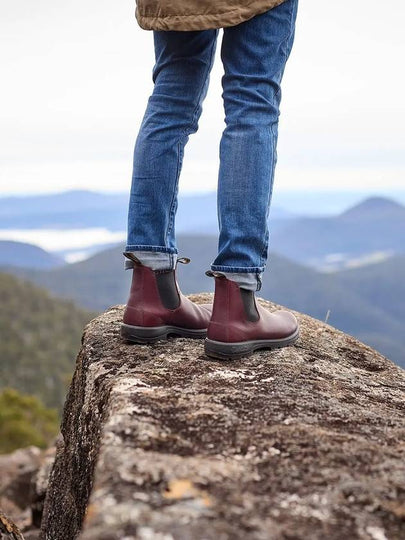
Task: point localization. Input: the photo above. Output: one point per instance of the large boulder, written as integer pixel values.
(161, 442)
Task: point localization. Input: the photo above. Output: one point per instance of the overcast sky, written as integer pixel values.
(76, 75)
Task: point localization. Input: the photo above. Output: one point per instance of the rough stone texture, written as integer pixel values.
(297, 443)
(39, 487)
(17, 471)
(23, 484)
(8, 529)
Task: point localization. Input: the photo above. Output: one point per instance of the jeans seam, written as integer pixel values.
(267, 234)
(291, 30)
(286, 54)
(183, 135)
(274, 145)
(148, 247)
(237, 269)
(173, 201)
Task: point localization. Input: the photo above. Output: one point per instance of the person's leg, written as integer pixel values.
(181, 78)
(254, 54)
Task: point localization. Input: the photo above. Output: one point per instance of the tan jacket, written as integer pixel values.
(198, 14)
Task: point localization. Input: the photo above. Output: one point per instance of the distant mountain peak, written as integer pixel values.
(374, 206)
(25, 255)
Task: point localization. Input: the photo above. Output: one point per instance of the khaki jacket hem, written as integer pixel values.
(205, 21)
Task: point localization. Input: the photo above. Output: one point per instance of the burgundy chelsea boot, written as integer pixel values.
(156, 308)
(240, 326)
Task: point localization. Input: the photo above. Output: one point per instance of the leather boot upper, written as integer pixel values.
(236, 319)
(157, 302)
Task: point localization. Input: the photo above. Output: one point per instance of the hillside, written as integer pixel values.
(383, 284)
(24, 255)
(375, 226)
(349, 307)
(386, 209)
(40, 337)
(101, 282)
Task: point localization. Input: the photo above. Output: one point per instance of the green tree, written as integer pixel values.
(39, 340)
(25, 421)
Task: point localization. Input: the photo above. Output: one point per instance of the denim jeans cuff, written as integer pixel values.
(246, 280)
(156, 260)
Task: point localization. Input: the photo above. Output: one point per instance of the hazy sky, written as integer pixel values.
(76, 75)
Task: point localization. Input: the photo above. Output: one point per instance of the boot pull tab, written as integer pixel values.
(183, 260)
(211, 273)
(129, 255)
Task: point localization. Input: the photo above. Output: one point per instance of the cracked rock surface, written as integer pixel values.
(160, 442)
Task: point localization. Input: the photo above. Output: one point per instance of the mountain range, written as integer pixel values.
(375, 226)
(24, 255)
(367, 304)
(370, 231)
(362, 248)
(86, 209)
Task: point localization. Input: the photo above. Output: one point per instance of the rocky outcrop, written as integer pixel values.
(160, 442)
(23, 485)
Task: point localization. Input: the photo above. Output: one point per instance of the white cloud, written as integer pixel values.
(54, 240)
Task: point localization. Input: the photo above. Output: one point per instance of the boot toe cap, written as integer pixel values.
(288, 322)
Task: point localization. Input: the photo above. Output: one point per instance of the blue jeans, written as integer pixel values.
(254, 55)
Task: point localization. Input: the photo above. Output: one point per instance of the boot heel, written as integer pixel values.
(142, 334)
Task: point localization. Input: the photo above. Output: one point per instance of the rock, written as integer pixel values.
(31, 534)
(39, 486)
(16, 472)
(8, 529)
(23, 483)
(160, 442)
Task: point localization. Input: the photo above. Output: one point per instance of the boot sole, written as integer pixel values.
(234, 351)
(144, 334)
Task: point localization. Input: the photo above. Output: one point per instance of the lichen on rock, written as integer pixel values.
(161, 442)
